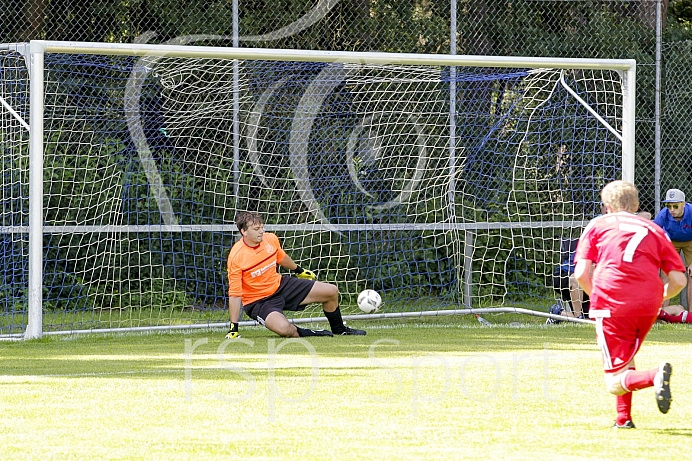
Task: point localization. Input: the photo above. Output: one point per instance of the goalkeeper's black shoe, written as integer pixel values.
(322, 333)
(350, 331)
(627, 425)
(304, 332)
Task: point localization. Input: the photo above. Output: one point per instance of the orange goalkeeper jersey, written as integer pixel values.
(252, 271)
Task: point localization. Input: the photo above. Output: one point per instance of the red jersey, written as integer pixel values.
(628, 251)
(252, 270)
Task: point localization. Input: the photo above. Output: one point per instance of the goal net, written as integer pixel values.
(445, 183)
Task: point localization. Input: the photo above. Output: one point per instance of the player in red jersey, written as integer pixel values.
(626, 292)
(255, 285)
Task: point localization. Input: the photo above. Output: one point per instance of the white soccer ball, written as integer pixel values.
(369, 301)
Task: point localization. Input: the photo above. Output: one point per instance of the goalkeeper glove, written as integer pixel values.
(304, 273)
(233, 334)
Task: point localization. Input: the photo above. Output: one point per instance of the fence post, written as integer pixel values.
(657, 112)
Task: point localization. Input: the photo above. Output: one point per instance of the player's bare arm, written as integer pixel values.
(234, 306)
(676, 282)
(288, 263)
(300, 272)
(582, 272)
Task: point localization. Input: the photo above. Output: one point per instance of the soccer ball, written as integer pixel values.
(369, 301)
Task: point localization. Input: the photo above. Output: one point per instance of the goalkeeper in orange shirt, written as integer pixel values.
(255, 285)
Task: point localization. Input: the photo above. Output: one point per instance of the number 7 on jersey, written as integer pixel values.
(639, 233)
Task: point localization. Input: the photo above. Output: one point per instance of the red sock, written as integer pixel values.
(636, 380)
(666, 317)
(624, 406)
(680, 318)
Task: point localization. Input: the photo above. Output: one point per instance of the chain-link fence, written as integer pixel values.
(565, 28)
(676, 117)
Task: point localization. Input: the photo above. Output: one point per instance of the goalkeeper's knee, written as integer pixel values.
(304, 273)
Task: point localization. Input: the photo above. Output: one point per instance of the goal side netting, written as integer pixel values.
(449, 186)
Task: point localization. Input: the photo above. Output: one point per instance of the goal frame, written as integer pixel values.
(38, 49)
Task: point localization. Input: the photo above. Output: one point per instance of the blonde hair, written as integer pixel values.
(621, 196)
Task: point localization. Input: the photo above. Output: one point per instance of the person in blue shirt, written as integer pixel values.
(676, 220)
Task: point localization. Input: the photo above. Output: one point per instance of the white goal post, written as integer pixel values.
(396, 181)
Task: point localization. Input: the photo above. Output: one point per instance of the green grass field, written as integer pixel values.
(442, 388)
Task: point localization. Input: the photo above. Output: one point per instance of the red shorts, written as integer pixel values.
(620, 339)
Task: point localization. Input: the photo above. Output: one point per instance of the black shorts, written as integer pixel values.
(292, 291)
